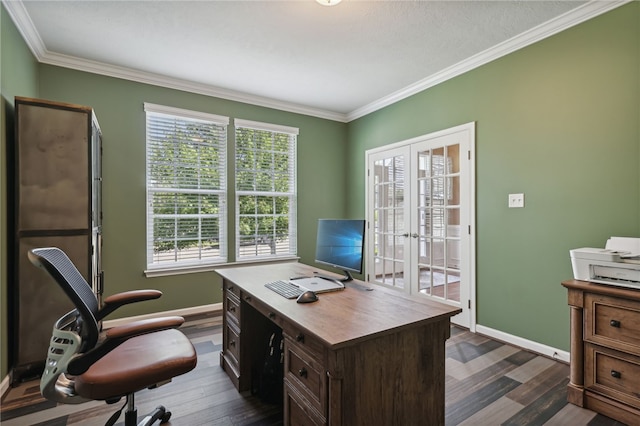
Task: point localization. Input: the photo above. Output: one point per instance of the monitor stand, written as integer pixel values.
(347, 277)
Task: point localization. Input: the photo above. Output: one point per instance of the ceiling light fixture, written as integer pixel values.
(328, 2)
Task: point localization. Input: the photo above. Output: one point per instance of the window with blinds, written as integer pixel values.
(186, 187)
(265, 190)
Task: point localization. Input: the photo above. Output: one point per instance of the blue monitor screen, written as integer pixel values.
(340, 243)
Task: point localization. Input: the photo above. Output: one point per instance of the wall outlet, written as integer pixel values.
(516, 200)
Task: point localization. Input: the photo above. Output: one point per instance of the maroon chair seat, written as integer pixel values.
(138, 364)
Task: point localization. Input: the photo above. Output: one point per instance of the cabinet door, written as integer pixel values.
(54, 195)
(41, 301)
(53, 170)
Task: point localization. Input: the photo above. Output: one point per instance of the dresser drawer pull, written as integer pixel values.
(230, 288)
(614, 323)
(302, 372)
(616, 374)
(300, 338)
(272, 315)
(232, 343)
(248, 298)
(232, 308)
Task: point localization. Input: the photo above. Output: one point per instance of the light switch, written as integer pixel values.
(516, 200)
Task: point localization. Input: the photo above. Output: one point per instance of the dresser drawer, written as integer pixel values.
(613, 322)
(613, 373)
(304, 372)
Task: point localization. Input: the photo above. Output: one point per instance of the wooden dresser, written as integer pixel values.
(605, 349)
(359, 356)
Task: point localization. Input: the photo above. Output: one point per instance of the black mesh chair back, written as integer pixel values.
(87, 363)
(64, 272)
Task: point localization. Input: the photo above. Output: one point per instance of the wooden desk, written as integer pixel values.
(355, 357)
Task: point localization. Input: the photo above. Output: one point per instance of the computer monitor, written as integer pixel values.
(340, 243)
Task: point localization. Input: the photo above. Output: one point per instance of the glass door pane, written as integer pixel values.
(438, 221)
(388, 225)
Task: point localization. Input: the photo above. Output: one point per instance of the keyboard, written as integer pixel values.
(285, 289)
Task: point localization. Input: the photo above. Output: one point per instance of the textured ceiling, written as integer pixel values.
(337, 60)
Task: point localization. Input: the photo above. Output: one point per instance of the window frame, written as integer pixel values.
(291, 134)
(154, 268)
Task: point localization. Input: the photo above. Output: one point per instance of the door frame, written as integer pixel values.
(468, 250)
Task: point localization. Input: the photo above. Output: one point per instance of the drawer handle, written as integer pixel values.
(300, 338)
(272, 315)
(614, 323)
(232, 343)
(616, 374)
(302, 372)
(230, 288)
(248, 298)
(232, 309)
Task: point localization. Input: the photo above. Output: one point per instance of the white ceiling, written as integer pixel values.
(336, 62)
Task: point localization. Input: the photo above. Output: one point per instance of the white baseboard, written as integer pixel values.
(214, 307)
(4, 386)
(536, 347)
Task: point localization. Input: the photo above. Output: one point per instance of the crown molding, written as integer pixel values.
(183, 85)
(25, 26)
(572, 18)
(27, 29)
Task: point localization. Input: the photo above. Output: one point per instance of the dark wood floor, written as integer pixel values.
(487, 383)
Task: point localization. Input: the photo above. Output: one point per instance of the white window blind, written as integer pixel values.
(186, 187)
(265, 190)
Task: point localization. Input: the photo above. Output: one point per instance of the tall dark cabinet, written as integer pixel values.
(57, 203)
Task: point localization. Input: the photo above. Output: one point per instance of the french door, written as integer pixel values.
(420, 211)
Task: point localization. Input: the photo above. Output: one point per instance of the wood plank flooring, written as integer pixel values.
(487, 383)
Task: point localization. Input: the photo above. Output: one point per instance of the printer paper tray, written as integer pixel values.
(616, 276)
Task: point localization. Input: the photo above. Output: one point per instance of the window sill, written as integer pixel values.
(193, 269)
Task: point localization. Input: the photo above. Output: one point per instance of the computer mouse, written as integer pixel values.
(307, 297)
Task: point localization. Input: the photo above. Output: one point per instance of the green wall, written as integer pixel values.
(557, 121)
(119, 107)
(18, 76)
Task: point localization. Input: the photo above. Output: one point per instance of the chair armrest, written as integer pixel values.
(137, 328)
(118, 335)
(114, 301)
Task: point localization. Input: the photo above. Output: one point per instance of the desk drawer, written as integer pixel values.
(613, 322)
(304, 372)
(309, 342)
(228, 286)
(265, 310)
(231, 344)
(297, 412)
(232, 307)
(613, 373)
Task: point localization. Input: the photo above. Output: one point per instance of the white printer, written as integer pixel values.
(617, 264)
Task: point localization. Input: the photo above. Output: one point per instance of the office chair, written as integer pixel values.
(86, 363)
